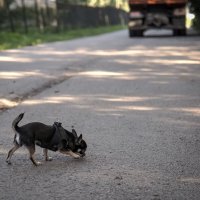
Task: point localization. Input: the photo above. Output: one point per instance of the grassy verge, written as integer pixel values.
(9, 40)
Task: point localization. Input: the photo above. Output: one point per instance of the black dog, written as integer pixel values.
(54, 138)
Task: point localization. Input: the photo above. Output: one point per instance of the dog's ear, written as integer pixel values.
(79, 139)
(74, 132)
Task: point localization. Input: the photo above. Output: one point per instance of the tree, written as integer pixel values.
(195, 6)
(9, 14)
(1, 4)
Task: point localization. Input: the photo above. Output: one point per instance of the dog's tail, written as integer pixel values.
(17, 120)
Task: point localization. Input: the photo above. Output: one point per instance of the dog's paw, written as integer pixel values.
(76, 156)
(48, 159)
(38, 163)
(8, 162)
(82, 155)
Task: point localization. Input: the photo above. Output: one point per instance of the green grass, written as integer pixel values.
(9, 40)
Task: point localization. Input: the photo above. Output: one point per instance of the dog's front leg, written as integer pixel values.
(47, 158)
(31, 150)
(70, 153)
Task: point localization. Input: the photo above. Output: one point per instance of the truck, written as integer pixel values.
(146, 14)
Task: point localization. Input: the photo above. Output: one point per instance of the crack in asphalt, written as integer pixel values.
(33, 92)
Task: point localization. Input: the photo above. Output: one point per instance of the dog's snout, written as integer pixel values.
(82, 154)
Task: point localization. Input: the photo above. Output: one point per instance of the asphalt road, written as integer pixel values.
(136, 102)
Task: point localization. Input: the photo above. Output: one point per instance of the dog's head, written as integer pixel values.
(80, 144)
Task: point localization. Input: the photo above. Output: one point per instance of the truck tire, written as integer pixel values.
(135, 33)
(179, 32)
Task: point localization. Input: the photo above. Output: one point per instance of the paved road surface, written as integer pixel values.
(136, 101)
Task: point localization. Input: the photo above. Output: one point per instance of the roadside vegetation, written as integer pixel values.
(195, 8)
(28, 23)
(9, 40)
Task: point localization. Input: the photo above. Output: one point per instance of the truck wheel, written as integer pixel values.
(135, 33)
(131, 33)
(182, 31)
(179, 32)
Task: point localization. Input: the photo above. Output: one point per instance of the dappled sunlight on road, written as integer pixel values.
(176, 53)
(51, 100)
(108, 74)
(8, 103)
(119, 105)
(191, 110)
(15, 59)
(189, 180)
(85, 99)
(174, 62)
(124, 99)
(139, 74)
(138, 108)
(101, 74)
(145, 57)
(22, 74)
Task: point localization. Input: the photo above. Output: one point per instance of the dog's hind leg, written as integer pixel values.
(47, 158)
(31, 150)
(11, 152)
